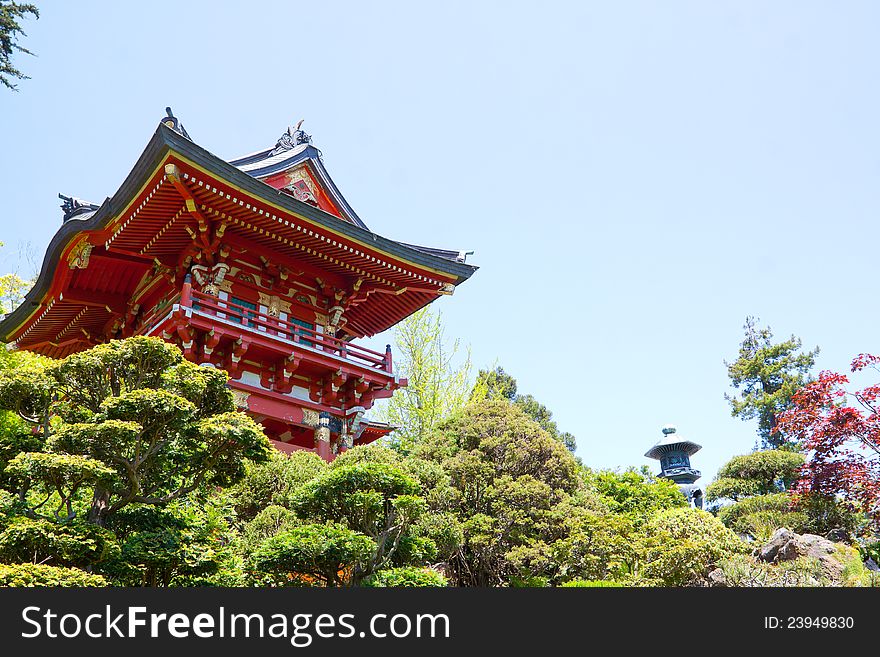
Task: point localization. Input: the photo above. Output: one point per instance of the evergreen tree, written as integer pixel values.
(768, 374)
(496, 384)
(10, 14)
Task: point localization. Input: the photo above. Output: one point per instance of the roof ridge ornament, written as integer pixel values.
(291, 138)
(73, 207)
(172, 122)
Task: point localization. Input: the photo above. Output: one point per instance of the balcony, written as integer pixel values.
(264, 326)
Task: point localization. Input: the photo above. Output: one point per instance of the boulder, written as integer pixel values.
(785, 545)
(716, 578)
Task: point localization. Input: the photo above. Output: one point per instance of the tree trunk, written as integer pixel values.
(100, 507)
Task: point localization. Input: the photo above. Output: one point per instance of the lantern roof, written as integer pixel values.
(672, 442)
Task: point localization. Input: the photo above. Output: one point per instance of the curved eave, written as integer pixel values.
(164, 141)
(685, 446)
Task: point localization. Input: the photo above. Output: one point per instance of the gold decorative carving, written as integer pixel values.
(300, 185)
(79, 256)
(310, 417)
(274, 305)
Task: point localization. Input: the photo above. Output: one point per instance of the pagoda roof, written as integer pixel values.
(409, 276)
(292, 149)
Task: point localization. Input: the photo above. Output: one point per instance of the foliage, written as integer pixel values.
(437, 384)
(28, 574)
(160, 426)
(497, 384)
(13, 287)
(60, 544)
(591, 584)
(275, 481)
(375, 499)
(598, 547)
(11, 13)
(741, 570)
(505, 477)
(267, 523)
(761, 515)
(769, 374)
(180, 544)
(636, 495)
(758, 473)
(406, 577)
(843, 439)
(683, 544)
(327, 553)
(760, 485)
(56, 474)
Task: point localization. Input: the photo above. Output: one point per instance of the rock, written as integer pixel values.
(785, 545)
(871, 565)
(717, 578)
(782, 546)
(837, 535)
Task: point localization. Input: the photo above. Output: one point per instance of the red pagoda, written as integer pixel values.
(258, 266)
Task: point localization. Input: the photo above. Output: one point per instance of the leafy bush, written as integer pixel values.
(759, 473)
(771, 469)
(326, 553)
(177, 545)
(591, 584)
(26, 539)
(406, 577)
(761, 515)
(683, 545)
(741, 570)
(28, 574)
(635, 494)
(274, 482)
(270, 521)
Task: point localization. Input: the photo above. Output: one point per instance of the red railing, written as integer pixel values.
(265, 324)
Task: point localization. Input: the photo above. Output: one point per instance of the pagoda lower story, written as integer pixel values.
(257, 266)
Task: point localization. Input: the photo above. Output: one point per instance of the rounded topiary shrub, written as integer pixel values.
(406, 577)
(29, 574)
(591, 584)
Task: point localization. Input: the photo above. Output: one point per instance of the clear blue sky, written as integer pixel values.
(634, 177)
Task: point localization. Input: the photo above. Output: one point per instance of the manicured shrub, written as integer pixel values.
(29, 574)
(406, 577)
(591, 584)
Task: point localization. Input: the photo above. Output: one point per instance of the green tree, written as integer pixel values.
(636, 495)
(408, 577)
(768, 375)
(29, 574)
(328, 553)
(11, 13)
(132, 422)
(439, 380)
(760, 486)
(498, 384)
(376, 500)
(758, 473)
(274, 482)
(506, 478)
(183, 543)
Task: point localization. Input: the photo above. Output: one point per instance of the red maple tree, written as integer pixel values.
(840, 430)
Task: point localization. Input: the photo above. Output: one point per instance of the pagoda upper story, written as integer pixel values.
(258, 265)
